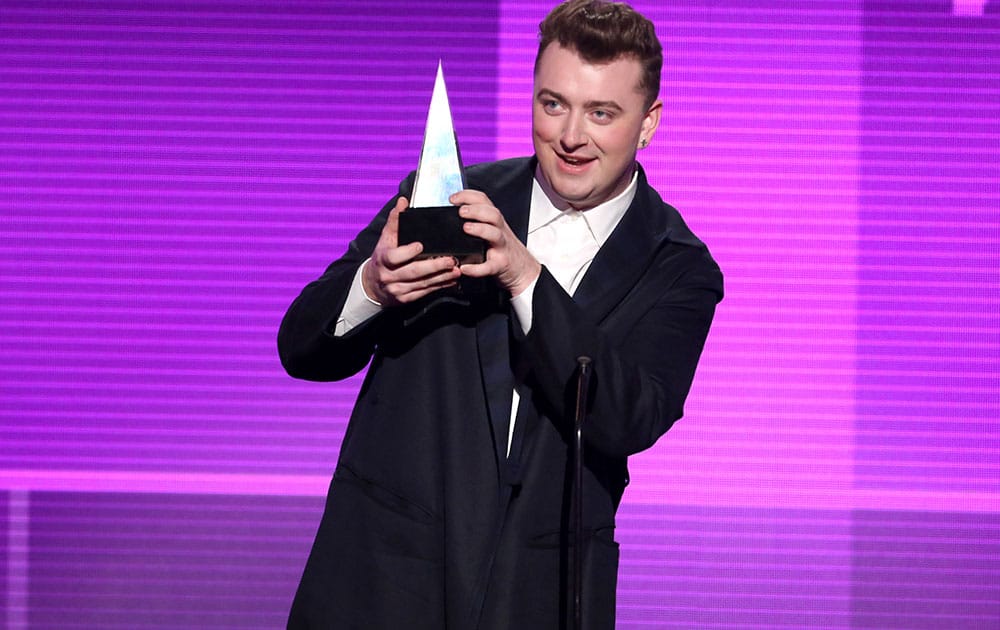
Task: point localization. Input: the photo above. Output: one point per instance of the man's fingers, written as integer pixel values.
(413, 296)
(469, 197)
(486, 231)
(407, 290)
(479, 270)
(482, 213)
(437, 280)
(396, 257)
(417, 271)
(426, 268)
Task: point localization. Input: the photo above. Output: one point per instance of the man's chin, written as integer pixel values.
(572, 198)
(568, 187)
(574, 191)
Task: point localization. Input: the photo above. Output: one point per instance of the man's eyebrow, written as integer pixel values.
(547, 92)
(602, 105)
(588, 105)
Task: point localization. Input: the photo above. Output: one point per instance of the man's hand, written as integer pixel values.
(507, 259)
(394, 277)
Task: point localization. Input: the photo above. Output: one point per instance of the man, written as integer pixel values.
(450, 503)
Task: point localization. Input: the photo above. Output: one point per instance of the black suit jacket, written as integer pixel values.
(428, 523)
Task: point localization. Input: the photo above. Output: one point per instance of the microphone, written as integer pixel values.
(584, 369)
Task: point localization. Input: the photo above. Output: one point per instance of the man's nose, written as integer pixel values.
(574, 134)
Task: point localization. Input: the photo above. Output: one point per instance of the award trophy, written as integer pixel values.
(431, 219)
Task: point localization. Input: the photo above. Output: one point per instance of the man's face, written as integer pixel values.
(587, 123)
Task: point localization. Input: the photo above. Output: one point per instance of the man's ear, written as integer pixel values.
(650, 122)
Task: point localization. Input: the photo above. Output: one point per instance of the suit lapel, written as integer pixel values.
(512, 195)
(626, 254)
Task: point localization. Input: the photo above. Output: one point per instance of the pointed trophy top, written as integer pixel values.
(439, 173)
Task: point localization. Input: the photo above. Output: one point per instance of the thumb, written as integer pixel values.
(391, 228)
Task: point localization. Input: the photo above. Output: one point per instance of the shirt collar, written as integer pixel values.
(601, 219)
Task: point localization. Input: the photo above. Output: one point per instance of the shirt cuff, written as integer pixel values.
(522, 305)
(358, 308)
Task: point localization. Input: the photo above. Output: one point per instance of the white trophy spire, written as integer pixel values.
(439, 174)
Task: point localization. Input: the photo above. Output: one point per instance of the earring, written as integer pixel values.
(644, 143)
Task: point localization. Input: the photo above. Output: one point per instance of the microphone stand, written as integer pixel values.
(582, 385)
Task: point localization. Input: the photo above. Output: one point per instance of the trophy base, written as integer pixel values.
(440, 231)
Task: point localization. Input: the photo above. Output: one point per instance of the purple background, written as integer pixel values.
(173, 173)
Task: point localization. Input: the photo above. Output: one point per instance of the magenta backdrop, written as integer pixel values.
(173, 173)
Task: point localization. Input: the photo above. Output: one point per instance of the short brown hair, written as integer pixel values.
(600, 32)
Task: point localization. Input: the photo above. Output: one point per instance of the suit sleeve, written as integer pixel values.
(307, 345)
(643, 365)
